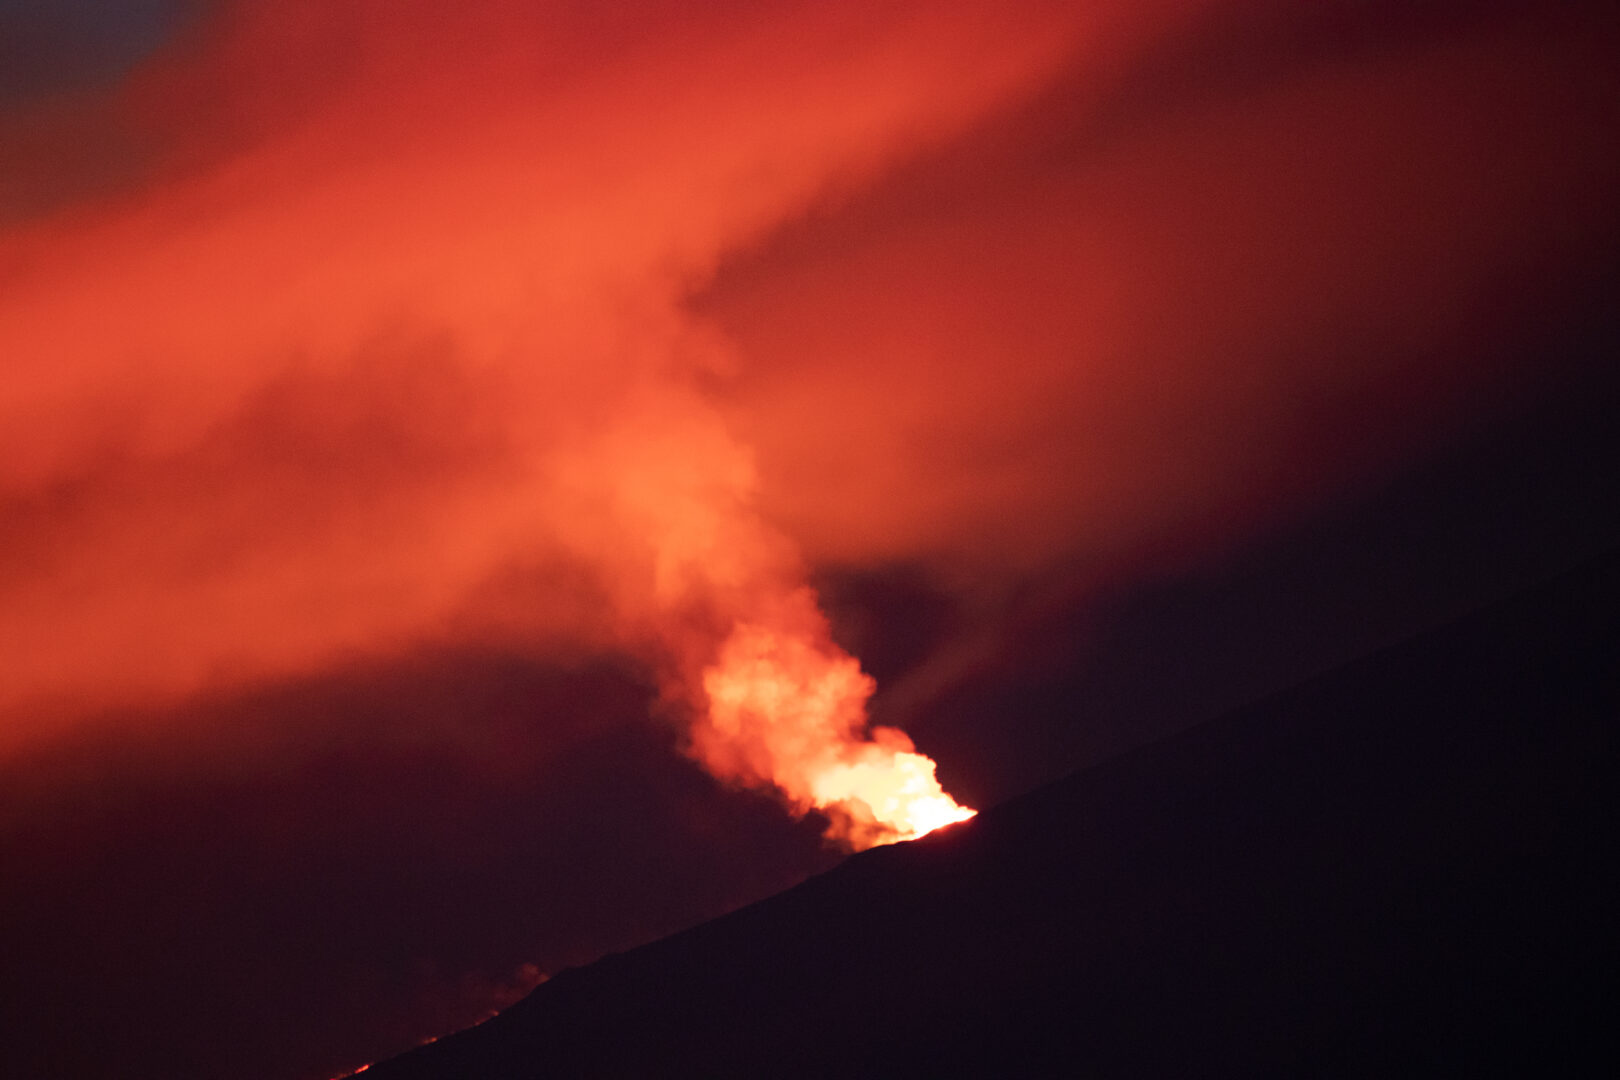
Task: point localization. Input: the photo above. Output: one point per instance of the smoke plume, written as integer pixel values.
(333, 329)
(373, 330)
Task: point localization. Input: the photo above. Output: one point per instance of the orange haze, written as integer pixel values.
(335, 328)
(376, 333)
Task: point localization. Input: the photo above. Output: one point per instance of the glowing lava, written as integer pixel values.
(787, 710)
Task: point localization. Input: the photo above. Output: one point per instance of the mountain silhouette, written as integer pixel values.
(1402, 867)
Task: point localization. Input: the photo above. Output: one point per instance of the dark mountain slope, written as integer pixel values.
(1402, 867)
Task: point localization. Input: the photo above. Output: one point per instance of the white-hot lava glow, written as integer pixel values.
(786, 709)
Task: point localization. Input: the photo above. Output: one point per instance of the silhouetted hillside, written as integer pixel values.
(1404, 867)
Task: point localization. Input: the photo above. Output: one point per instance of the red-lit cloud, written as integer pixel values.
(389, 312)
(370, 324)
(1131, 320)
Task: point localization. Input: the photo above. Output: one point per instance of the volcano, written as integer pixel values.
(1402, 866)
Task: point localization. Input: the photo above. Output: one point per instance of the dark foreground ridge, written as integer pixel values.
(1405, 867)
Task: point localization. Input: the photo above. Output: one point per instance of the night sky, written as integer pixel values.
(408, 405)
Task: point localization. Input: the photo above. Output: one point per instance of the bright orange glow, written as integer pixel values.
(787, 710)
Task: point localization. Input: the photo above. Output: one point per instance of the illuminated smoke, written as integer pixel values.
(578, 328)
(379, 334)
(786, 709)
(773, 703)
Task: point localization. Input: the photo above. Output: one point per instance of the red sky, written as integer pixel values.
(347, 343)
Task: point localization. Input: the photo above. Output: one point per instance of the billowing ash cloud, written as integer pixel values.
(381, 338)
(363, 325)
